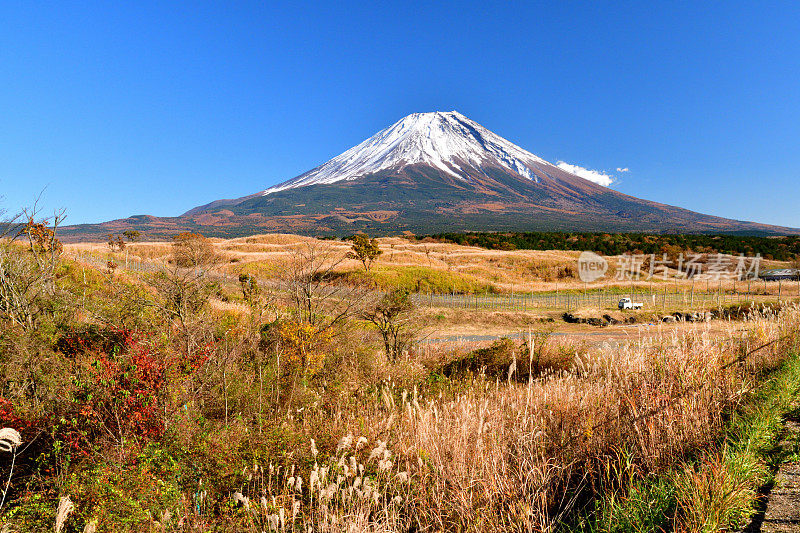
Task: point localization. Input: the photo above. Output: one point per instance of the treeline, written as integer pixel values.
(778, 248)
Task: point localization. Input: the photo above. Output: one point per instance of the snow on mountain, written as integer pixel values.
(448, 141)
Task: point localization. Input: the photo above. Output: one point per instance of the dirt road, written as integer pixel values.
(591, 334)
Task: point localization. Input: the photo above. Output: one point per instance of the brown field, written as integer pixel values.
(520, 271)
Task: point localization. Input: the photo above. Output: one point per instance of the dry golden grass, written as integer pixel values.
(236, 308)
(447, 322)
(507, 456)
(521, 271)
(510, 451)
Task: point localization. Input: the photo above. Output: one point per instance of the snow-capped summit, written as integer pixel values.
(447, 141)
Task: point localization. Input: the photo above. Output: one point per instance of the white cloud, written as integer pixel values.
(596, 176)
(626, 169)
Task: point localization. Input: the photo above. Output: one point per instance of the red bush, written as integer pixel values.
(10, 419)
(121, 387)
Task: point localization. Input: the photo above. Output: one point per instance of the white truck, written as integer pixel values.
(627, 303)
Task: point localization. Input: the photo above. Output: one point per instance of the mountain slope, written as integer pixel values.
(436, 172)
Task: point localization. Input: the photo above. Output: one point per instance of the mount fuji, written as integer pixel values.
(434, 172)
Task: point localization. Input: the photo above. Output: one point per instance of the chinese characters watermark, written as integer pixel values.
(592, 267)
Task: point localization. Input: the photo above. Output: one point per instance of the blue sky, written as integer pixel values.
(122, 108)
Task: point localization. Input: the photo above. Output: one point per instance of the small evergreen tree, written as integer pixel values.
(365, 250)
(249, 286)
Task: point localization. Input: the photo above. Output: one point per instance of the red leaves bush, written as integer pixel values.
(120, 386)
(9, 418)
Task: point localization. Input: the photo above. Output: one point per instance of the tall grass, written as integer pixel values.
(714, 489)
(508, 456)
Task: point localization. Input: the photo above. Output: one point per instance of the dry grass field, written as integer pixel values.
(521, 271)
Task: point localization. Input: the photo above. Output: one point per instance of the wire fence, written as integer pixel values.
(604, 299)
(131, 264)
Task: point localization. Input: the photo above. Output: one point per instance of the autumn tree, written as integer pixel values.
(115, 242)
(181, 296)
(30, 254)
(365, 250)
(315, 308)
(132, 235)
(315, 297)
(191, 250)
